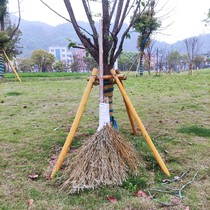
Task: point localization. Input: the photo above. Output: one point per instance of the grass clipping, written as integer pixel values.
(104, 159)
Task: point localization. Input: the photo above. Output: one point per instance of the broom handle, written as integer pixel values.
(141, 125)
(101, 63)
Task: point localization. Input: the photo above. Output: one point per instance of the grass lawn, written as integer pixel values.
(36, 115)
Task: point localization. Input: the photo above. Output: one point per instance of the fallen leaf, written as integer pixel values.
(112, 199)
(142, 194)
(70, 113)
(30, 202)
(33, 176)
(175, 200)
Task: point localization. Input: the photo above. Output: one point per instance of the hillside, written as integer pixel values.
(38, 35)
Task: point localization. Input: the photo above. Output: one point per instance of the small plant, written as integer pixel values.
(105, 192)
(134, 183)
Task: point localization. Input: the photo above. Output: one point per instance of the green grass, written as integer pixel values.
(196, 130)
(47, 75)
(36, 116)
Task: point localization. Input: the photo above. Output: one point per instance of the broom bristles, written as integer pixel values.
(105, 159)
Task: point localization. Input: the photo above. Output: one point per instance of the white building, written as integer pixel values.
(62, 54)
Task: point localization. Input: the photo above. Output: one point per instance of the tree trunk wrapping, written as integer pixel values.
(2, 68)
(108, 94)
(141, 64)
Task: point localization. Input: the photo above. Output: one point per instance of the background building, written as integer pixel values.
(62, 54)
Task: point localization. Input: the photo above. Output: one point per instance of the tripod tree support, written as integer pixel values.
(130, 117)
(12, 67)
(140, 124)
(75, 123)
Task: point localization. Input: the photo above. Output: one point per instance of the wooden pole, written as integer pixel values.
(129, 115)
(75, 124)
(108, 77)
(140, 124)
(101, 63)
(13, 69)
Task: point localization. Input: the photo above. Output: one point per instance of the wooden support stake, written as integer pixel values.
(101, 63)
(108, 77)
(130, 115)
(13, 69)
(140, 124)
(75, 124)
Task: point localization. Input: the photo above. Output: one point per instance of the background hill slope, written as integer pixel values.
(38, 35)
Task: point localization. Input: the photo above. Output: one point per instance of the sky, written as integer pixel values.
(183, 21)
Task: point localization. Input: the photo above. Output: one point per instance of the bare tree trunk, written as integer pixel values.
(149, 66)
(190, 72)
(170, 70)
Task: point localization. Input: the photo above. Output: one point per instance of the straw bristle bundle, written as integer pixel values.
(105, 159)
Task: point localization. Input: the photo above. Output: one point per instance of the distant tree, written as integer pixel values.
(146, 24)
(43, 59)
(183, 62)
(24, 64)
(161, 63)
(59, 66)
(90, 63)
(12, 47)
(128, 61)
(199, 61)
(77, 64)
(9, 34)
(208, 60)
(150, 51)
(192, 46)
(173, 59)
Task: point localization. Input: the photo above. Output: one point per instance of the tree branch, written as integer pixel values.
(85, 40)
(118, 14)
(16, 28)
(91, 22)
(66, 19)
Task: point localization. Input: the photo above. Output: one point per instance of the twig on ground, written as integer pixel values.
(177, 193)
